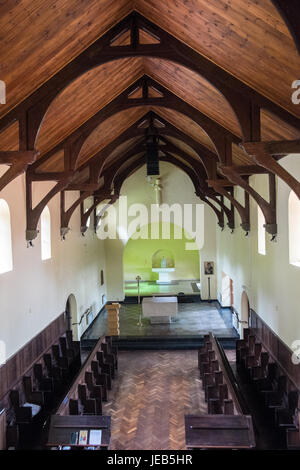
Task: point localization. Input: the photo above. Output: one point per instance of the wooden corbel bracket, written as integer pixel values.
(18, 163)
(219, 213)
(111, 201)
(262, 154)
(268, 208)
(33, 215)
(65, 215)
(105, 194)
(228, 212)
(244, 211)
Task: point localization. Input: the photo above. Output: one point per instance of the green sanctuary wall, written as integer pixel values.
(141, 255)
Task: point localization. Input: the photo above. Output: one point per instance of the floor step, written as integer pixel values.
(155, 343)
(186, 298)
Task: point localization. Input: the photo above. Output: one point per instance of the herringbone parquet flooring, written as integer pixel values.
(151, 394)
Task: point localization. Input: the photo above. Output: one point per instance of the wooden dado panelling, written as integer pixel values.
(276, 347)
(21, 362)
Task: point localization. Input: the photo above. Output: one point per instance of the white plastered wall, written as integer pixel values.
(271, 283)
(36, 292)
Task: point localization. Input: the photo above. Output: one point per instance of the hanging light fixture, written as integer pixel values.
(152, 140)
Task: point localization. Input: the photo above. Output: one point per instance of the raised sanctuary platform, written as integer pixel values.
(193, 321)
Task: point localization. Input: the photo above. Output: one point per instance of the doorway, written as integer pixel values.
(71, 314)
(245, 312)
(225, 291)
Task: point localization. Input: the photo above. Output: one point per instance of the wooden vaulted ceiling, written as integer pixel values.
(245, 38)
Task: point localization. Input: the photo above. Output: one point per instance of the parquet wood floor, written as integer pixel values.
(151, 394)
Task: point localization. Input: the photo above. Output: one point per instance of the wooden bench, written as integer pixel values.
(218, 381)
(35, 393)
(62, 428)
(270, 383)
(227, 424)
(91, 385)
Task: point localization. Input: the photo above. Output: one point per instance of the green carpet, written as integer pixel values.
(149, 288)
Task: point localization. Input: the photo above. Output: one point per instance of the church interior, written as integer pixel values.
(149, 225)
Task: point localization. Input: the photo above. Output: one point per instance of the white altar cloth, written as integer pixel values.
(163, 275)
(160, 309)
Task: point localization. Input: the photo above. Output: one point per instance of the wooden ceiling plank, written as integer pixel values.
(122, 102)
(239, 94)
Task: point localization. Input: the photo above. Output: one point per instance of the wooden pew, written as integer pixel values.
(227, 424)
(270, 383)
(89, 387)
(34, 393)
(219, 382)
(2, 430)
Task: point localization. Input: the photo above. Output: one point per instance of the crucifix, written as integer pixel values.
(157, 189)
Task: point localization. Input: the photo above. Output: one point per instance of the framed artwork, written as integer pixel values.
(209, 268)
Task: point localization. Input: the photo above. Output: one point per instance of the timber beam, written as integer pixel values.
(245, 101)
(101, 213)
(262, 153)
(219, 213)
(18, 163)
(65, 215)
(267, 208)
(102, 194)
(207, 158)
(218, 134)
(289, 10)
(228, 212)
(33, 215)
(200, 189)
(244, 211)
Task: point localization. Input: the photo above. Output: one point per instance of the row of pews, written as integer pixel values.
(81, 408)
(272, 388)
(94, 380)
(218, 388)
(226, 424)
(39, 390)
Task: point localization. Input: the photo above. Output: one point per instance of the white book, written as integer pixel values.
(95, 437)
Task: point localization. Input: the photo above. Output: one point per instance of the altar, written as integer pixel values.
(160, 309)
(163, 275)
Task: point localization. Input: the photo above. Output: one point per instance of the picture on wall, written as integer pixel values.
(208, 268)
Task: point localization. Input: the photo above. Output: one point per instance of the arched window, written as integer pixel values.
(6, 262)
(294, 229)
(261, 233)
(46, 234)
(88, 222)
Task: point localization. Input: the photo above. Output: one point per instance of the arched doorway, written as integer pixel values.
(225, 290)
(71, 314)
(245, 312)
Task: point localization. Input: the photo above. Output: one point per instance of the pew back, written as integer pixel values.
(2, 430)
(80, 379)
(228, 377)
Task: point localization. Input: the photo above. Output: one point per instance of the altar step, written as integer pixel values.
(155, 343)
(185, 298)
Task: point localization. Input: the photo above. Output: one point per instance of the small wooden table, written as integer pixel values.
(61, 428)
(219, 432)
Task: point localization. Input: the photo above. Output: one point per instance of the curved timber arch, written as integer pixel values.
(205, 156)
(137, 164)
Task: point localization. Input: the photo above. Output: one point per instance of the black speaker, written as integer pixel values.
(152, 157)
